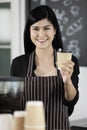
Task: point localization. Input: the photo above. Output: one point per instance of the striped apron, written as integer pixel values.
(49, 90)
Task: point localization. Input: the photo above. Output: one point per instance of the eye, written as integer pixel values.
(35, 28)
(46, 28)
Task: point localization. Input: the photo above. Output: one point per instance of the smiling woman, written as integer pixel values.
(43, 79)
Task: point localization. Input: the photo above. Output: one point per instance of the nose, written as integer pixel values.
(41, 33)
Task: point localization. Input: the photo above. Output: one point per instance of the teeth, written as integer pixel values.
(41, 40)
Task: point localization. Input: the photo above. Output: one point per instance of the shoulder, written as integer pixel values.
(19, 65)
(21, 58)
(20, 61)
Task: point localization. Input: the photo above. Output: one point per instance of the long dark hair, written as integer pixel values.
(38, 13)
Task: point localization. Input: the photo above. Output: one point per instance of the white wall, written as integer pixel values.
(18, 23)
(15, 17)
(80, 110)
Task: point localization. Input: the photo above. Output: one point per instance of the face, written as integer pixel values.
(42, 33)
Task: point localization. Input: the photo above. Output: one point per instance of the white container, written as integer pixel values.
(6, 121)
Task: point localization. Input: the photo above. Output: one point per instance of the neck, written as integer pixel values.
(45, 62)
(44, 53)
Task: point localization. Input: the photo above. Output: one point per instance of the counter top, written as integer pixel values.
(79, 124)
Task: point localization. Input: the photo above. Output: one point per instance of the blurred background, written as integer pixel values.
(72, 18)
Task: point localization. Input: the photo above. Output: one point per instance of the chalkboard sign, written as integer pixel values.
(72, 18)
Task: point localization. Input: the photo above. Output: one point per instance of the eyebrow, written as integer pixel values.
(43, 26)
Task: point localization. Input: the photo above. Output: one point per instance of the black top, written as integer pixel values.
(19, 68)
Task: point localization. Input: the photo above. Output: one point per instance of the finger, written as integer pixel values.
(68, 66)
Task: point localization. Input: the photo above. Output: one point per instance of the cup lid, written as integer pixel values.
(35, 103)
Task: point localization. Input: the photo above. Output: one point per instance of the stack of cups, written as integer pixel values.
(35, 116)
(18, 120)
(6, 121)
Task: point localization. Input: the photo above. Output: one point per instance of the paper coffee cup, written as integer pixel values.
(63, 57)
(35, 116)
(6, 121)
(18, 120)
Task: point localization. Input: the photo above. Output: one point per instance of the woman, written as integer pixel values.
(43, 80)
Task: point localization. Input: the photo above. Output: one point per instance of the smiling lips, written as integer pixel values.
(41, 40)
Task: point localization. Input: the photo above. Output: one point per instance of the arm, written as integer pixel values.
(71, 93)
(69, 72)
